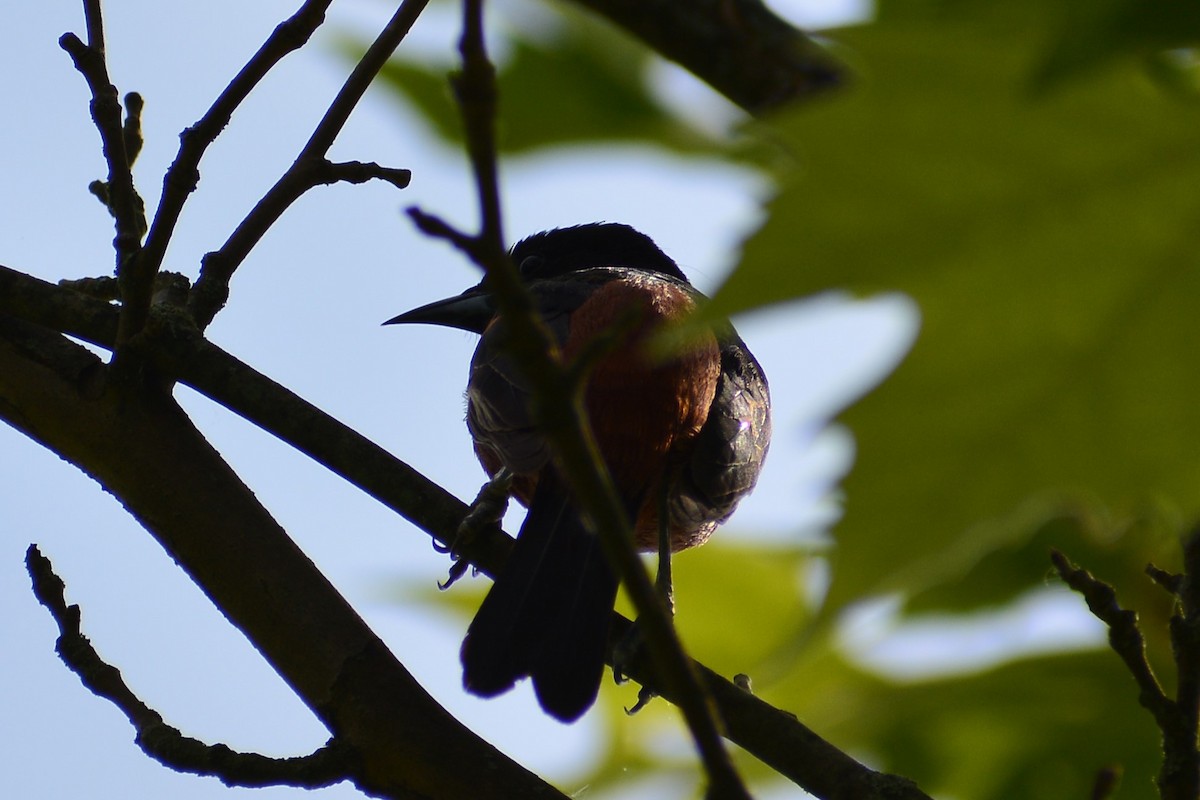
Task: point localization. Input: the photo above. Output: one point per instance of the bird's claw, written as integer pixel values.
(625, 651)
(487, 509)
(457, 570)
(645, 695)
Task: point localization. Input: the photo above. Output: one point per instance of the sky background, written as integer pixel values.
(305, 310)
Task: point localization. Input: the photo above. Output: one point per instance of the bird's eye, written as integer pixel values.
(531, 266)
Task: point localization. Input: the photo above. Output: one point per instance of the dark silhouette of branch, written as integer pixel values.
(183, 175)
(738, 47)
(774, 736)
(309, 170)
(1179, 778)
(476, 93)
(326, 766)
(137, 443)
(1123, 634)
(359, 172)
(119, 194)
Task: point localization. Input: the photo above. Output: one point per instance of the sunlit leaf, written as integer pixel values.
(1053, 250)
(1033, 729)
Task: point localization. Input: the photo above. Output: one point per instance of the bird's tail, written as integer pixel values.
(547, 615)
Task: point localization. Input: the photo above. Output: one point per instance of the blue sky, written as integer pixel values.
(305, 310)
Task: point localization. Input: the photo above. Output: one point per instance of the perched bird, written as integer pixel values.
(686, 433)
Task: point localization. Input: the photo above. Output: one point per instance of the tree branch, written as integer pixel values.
(775, 737)
(1123, 634)
(359, 172)
(184, 173)
(475, 91)
(122, 199)
(164, 743)
(139, 445)
(738, 47)
(1179, 778)
(309, 170)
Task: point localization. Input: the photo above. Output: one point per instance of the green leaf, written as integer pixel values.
(989, 573)
(1095, 32)
(582, 83)
(1038, 729)
(1053, 248)
(737, 606)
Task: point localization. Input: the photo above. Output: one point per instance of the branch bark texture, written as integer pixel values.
(139, 445)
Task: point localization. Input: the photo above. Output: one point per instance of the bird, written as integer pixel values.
(686, 434)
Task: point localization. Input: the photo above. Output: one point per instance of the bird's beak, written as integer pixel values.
(471, 311)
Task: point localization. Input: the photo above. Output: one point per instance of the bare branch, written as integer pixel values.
(1180, 775)
(137, 442)
(1179, 778)
(739, 47)
(131, 131)
(94, 20)
(475, 90)
(774, 736)
(360, 172)
(212, 288)
(438, 228)
(1123, 633)
(1170, 581)
(164, 743)
(183, 175)
(122, 199)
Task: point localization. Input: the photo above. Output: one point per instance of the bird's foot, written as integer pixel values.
(645, 695)
(631, 644)
(487, 509)
(630, 648)
(627, 650)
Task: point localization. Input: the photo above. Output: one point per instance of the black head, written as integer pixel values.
(550, 254)
(597, 244)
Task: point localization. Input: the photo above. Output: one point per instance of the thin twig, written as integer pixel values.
(94, 20)
(361, 172)
(124, 203)
(1123, 633)
(1170, 581)
(1179, 777)
(475, 90)
(183, 174)
(309, 169)
(324, 767)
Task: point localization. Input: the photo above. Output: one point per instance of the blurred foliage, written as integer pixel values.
(575, 82)
(1051, 245)
(1027, 173)
(1095, 32)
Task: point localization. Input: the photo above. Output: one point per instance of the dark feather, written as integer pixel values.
(548, 613)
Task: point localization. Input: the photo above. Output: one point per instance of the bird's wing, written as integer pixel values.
(548, 614)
